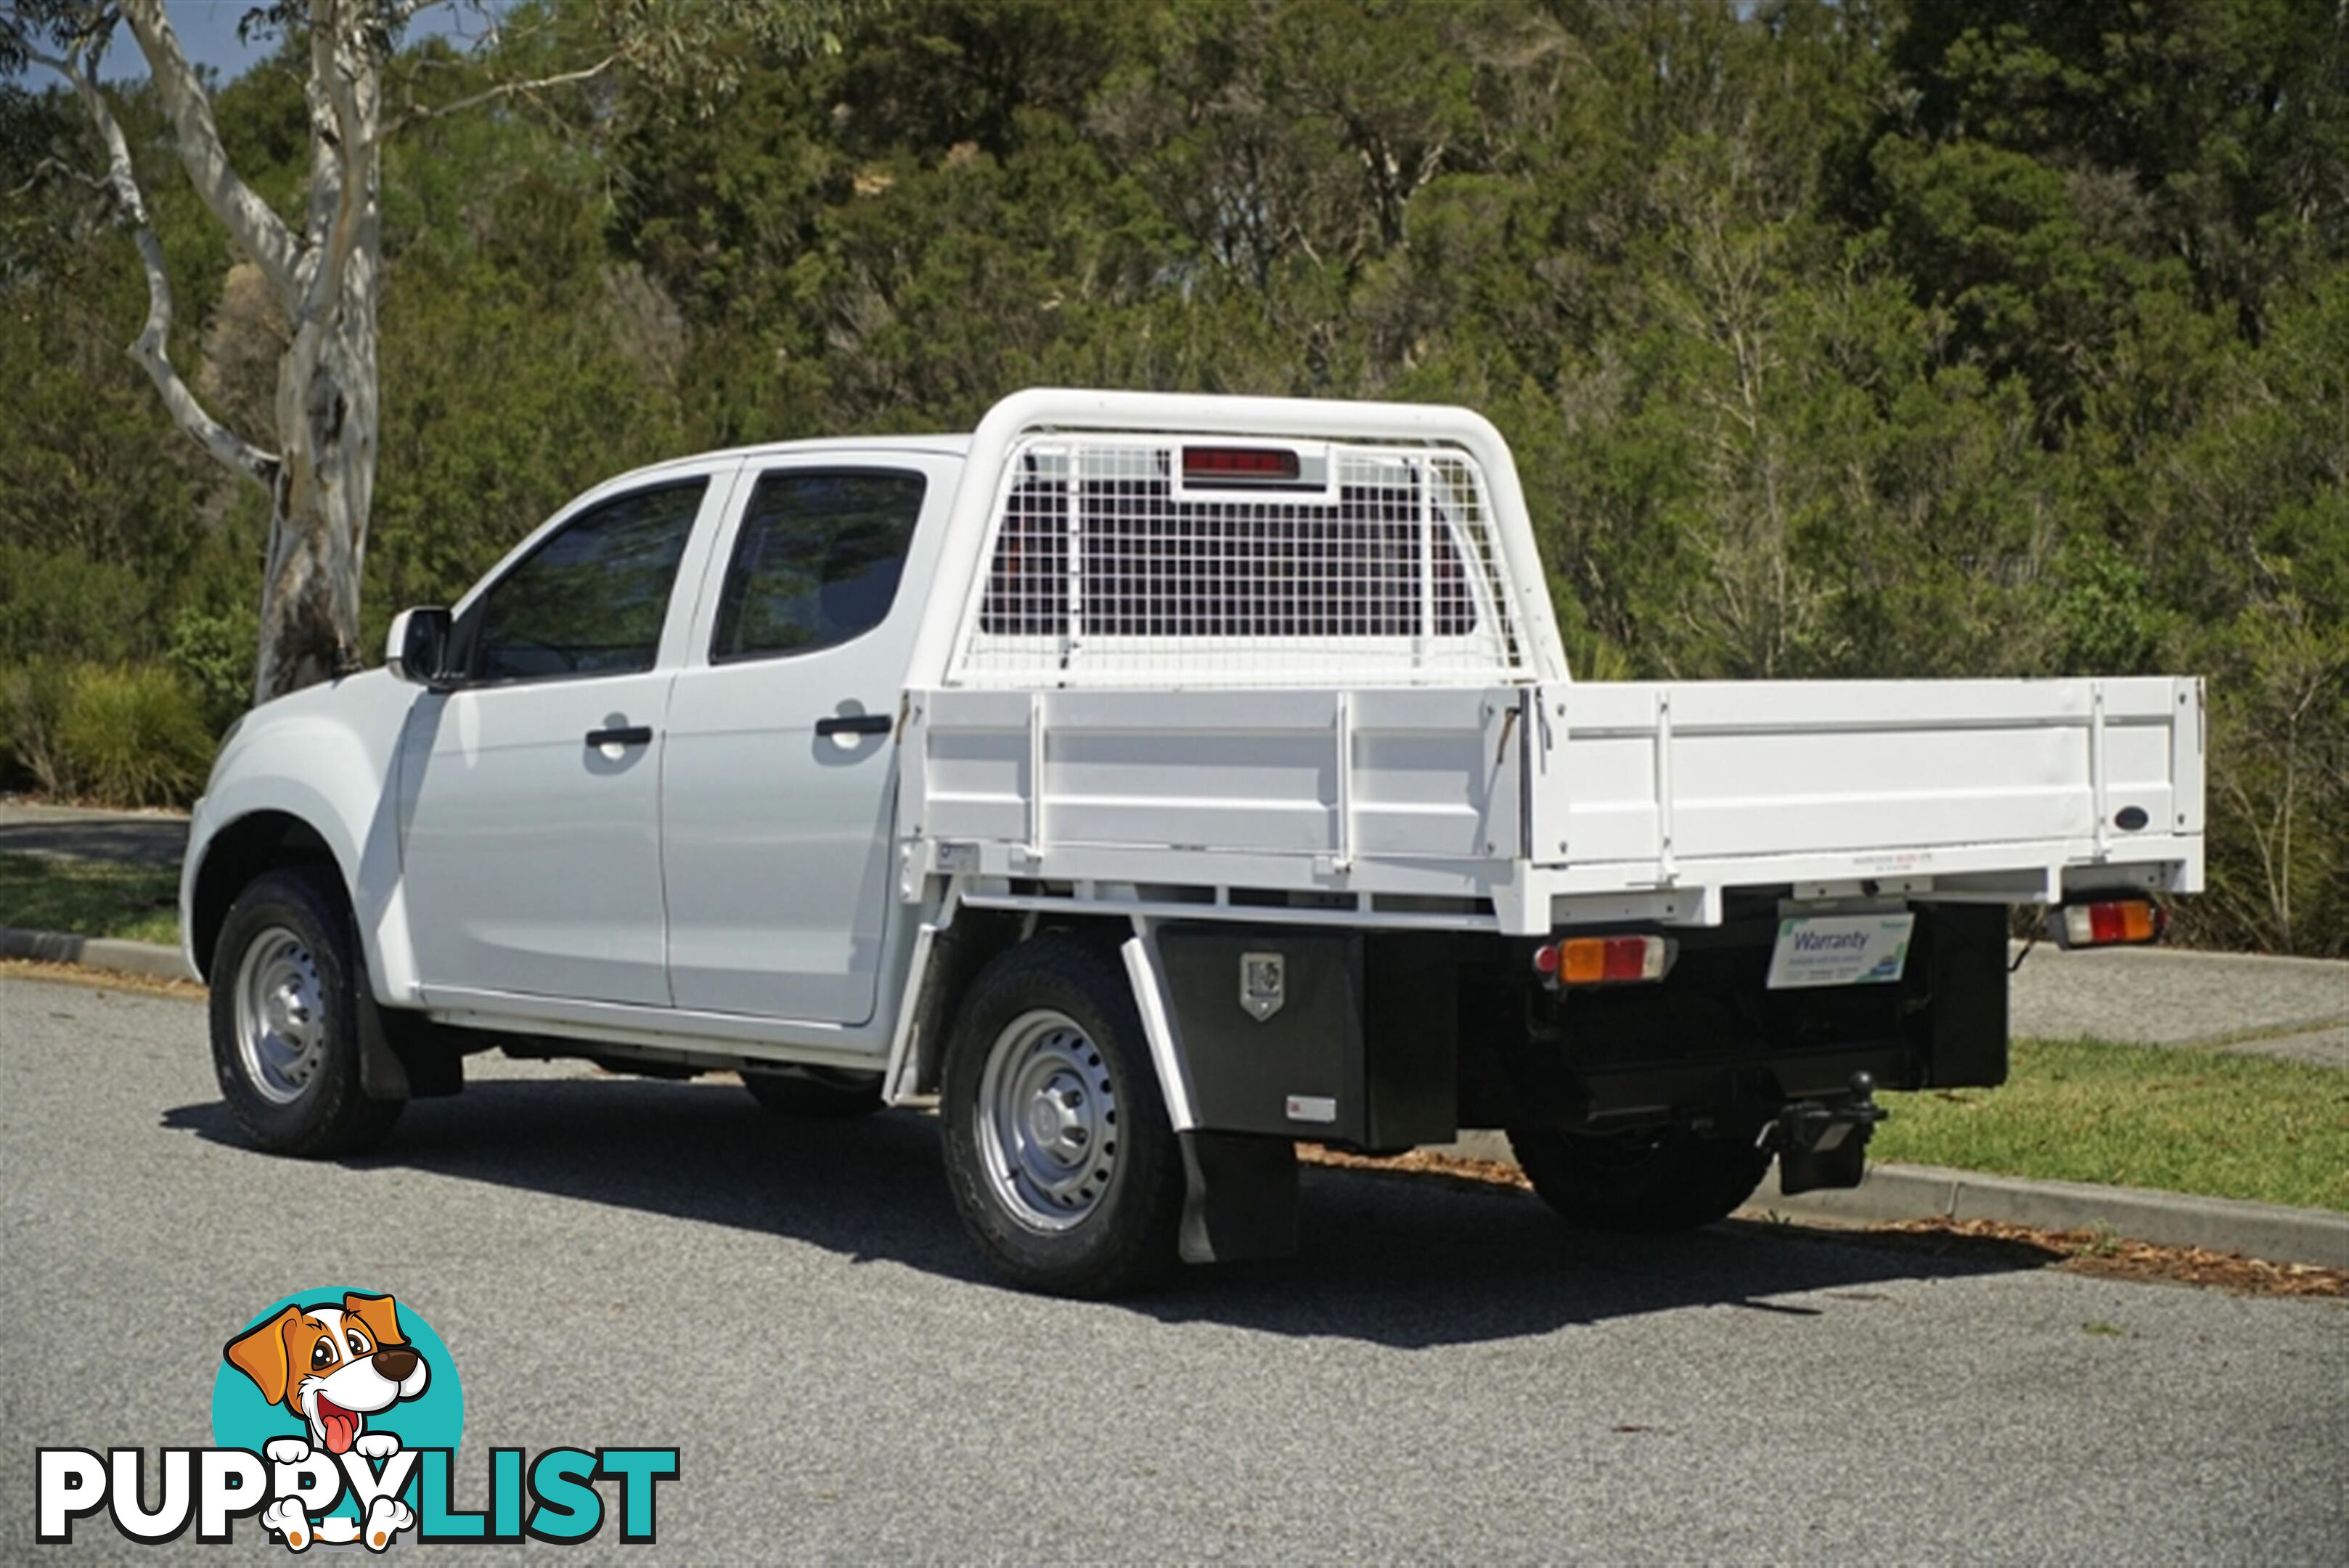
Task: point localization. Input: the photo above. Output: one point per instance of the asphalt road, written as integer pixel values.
(2294, 1008)
(1444, 1374)
(75, 833)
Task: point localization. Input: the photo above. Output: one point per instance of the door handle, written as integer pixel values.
(855, 725)
(624, 736)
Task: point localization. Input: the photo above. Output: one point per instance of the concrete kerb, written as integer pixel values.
(1891, 1193)
(94, 952)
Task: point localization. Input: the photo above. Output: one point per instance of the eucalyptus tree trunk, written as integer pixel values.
(319, 501)
(327, 408)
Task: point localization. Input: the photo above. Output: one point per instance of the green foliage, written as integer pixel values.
(2104, 614)
(129, 736)
(212, 649)
(30, 698)
(63, 605)
(1863, 338)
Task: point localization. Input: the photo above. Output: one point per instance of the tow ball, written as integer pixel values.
(1820, 1145)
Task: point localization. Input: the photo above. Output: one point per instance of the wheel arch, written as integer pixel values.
(311, 778)
(958, 951)
(246, 834)
(234, 855)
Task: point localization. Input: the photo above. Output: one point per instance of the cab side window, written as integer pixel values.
(817, 560)
(591, 599)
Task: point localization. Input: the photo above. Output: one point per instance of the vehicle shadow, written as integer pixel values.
(1405, 1260)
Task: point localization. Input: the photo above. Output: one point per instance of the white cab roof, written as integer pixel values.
(941, 445)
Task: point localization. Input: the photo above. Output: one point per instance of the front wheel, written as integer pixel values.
(1059, 1151)
(1649, 1182)
(286, 981)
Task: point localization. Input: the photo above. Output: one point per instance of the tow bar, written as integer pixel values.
(1821, 1145)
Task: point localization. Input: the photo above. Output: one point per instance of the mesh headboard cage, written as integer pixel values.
(1104, 568)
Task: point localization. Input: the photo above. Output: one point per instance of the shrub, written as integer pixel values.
(29, 698)
(57, 605)
(131, 735)
(212, 648)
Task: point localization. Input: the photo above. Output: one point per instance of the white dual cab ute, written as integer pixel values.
(1158, 780)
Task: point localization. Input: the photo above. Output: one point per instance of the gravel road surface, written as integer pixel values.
(1444, 1374)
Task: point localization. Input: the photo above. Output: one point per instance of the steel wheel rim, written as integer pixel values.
(281, 1016)
(1047, 1121)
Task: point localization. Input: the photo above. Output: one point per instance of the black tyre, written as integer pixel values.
(1057, 1147)
(286, 977)
(1651, 1182)
(815, 1093)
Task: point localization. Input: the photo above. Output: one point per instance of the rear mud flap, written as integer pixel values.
(1240, 1197)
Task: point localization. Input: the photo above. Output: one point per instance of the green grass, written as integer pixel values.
(89, 898)
(2184, 1120)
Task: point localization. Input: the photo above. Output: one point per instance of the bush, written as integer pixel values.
(29, 696)
(131, 735)
(212, 648)
(56, 604)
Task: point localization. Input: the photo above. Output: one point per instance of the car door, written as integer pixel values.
(529, 794)
(777, 815)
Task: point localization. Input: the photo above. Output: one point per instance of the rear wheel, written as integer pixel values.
(815, 1093)
(1660, 1182)
(1059, 1151)
(285, 979)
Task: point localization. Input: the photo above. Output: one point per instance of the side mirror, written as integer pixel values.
(417, 646)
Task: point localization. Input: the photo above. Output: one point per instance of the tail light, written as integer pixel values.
(1603, 961)
(2109, 922)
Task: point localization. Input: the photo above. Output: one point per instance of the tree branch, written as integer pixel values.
(326, 183)
(415, 112)
(56, 166)
(346, 149)
(152, 347)
(244, 214)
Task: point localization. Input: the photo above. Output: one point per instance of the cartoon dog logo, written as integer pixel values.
(333, 1366)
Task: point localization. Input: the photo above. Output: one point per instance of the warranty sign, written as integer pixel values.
(1840, 949)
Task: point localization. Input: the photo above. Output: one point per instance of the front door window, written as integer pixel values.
(591, 599)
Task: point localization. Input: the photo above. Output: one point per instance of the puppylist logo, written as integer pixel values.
(335, 1420)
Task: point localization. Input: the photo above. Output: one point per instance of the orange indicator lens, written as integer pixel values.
(1601, 960)
(2110, 921)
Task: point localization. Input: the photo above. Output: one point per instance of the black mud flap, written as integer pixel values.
(403, 1057)
(381, 1075)
(1240, 1197)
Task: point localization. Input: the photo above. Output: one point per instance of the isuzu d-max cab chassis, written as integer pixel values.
(1158, 780)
